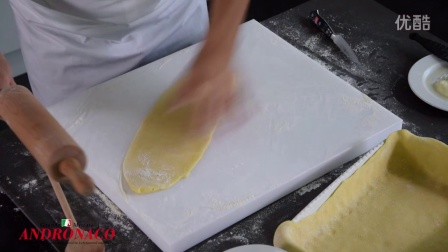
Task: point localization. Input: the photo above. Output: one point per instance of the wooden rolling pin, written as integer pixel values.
(44, 137)
(89, 244)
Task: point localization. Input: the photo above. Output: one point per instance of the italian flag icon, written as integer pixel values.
(66, 223)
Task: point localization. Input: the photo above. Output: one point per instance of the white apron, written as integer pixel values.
(71, 45)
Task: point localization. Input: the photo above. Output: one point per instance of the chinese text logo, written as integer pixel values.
(413, 22)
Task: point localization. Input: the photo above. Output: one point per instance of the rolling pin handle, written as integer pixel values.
(72, 169)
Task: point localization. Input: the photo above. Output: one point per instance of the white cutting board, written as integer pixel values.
(308, 122)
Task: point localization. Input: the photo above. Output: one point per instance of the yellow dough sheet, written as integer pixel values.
(397, 201)
(163, 151)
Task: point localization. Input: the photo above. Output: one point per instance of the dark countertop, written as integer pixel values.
(386, 56)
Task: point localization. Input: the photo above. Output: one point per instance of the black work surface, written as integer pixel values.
(386, 56)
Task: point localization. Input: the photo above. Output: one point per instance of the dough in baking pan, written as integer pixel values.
(397, 201)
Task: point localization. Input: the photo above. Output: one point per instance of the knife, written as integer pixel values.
(433, 47)
(337, 39)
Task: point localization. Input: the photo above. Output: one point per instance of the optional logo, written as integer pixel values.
(413, 22)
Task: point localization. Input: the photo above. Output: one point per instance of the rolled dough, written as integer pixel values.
(397, 201)
(442, 87)
(163, 151)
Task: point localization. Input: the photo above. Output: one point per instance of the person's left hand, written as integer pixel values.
(6, 79)
(211, 95)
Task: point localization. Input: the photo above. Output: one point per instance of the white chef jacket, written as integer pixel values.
(71, 45)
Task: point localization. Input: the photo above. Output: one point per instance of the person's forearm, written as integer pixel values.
(226, 16)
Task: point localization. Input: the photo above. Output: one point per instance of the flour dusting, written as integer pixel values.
(259, 224)
(143, 158)
(312, 186)
(25, 153)
(112, 212)
(29, 186)
(151, 177)
(218, 205)
(375, 74)
(412, 127)
(151, 174)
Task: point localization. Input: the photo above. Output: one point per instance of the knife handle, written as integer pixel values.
(321, 23)
(433, 47)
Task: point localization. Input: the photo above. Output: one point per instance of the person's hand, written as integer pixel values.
(210, 86)
(210, 94)
(6, 79)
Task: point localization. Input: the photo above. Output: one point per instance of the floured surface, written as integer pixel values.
(380, 208)
(163, 150)
(309, 121)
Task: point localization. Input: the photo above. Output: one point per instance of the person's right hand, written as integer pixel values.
(6, 79)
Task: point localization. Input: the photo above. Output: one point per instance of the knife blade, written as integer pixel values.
(337, 39)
